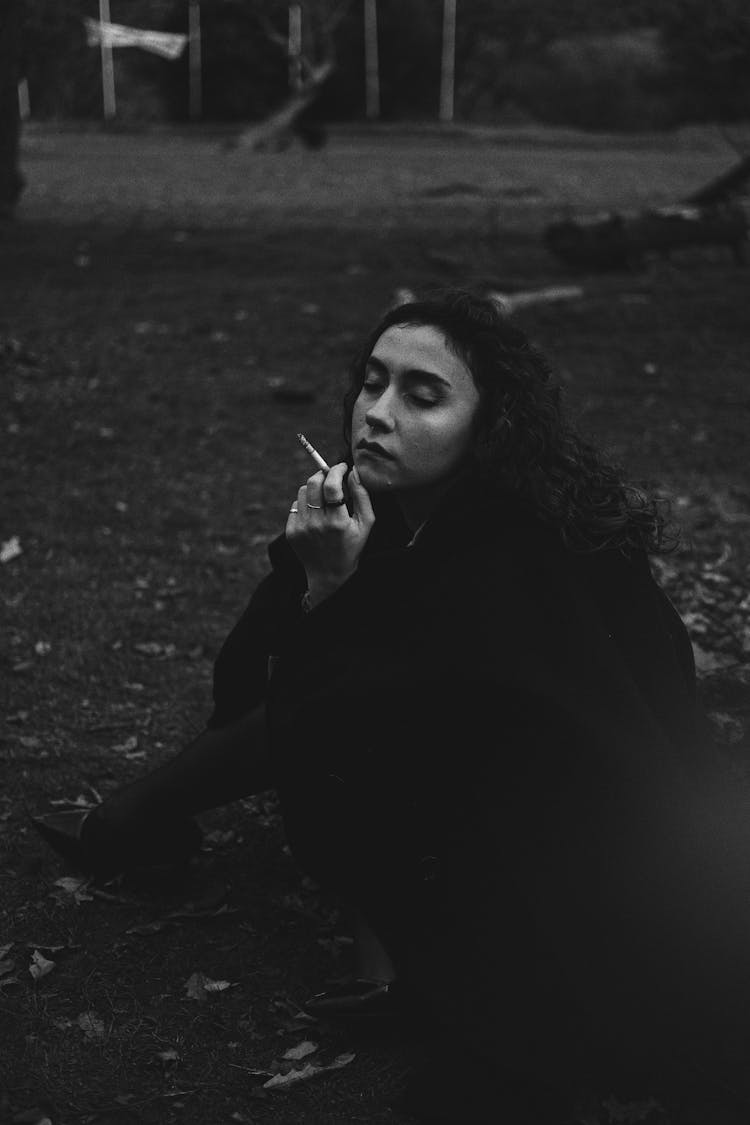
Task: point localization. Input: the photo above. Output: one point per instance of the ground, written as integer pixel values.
(172, 312)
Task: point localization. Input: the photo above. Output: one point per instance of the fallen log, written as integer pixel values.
(710, 216)
(625, 240)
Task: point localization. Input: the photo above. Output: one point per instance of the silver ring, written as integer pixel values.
(293, 511)
(335, 503)
(315, 505)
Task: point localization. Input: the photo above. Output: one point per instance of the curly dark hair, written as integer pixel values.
(524, 443)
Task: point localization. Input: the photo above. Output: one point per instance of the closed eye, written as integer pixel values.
(374, 387)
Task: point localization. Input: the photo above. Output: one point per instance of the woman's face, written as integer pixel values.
(412, 422)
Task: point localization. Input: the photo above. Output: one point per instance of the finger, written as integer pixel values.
(314, 491)
(361, 503)
(292, 520)
(333, 485)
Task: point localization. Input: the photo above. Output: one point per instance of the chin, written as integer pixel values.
(374, 477)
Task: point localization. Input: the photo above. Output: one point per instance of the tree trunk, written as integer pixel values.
(11, 180)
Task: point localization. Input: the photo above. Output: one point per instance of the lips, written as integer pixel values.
(373, 448)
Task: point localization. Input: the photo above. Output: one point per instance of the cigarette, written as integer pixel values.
(313, 453)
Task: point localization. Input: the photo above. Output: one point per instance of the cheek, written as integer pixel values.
(438, 443)
(358, 413)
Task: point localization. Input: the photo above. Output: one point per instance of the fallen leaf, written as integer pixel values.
(309, 1070)
(91, 1026)
(77, 887)
(168, 1056)
(5, 950)
(33, 1116)
(10, 549)
(29, 742)
(302, 1050)
(6, 967)
(153, 648)
(80, 802)
(280, 1080)
(630, 1113)
(216, 985)
(199, 985)
(127, 746)
(40, 966)
(219, 838)
(69, 883)
(145, 929)
(49, 948)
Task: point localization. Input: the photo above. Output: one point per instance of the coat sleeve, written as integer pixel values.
(241, 670)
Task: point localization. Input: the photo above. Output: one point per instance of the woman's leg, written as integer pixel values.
(217, 767)
(371, 958)
(150, 820)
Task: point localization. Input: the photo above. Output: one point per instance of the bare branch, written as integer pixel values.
(271, 34)
(273, 129)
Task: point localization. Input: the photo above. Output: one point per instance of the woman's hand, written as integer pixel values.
(324, 536)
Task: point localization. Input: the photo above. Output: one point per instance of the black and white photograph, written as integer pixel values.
(374, 562)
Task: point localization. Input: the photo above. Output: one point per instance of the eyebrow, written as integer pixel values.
(415, 373)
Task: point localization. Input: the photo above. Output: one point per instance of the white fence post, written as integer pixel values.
(372, 67)
(24, 104)
(447, 71)
(108, 71)
(194, 41)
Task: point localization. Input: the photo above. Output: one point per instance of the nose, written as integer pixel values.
(380, 414)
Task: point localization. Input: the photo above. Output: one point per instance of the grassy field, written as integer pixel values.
(171, 313)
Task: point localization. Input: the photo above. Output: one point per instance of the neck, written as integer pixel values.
(417, 505)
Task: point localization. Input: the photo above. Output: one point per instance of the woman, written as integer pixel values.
(479, 712)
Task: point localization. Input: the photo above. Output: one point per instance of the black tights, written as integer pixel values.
(217, 767)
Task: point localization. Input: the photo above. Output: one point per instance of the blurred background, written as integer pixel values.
(639, 64)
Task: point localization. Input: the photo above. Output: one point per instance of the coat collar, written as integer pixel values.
(469, 514)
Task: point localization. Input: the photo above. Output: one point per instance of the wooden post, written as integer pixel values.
(447, 71)
(372, 69)
(295, 47)
(11, 38)
(195, 66)
(24, 104)
(108, 72)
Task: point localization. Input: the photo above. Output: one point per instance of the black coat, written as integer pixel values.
(492, 744)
